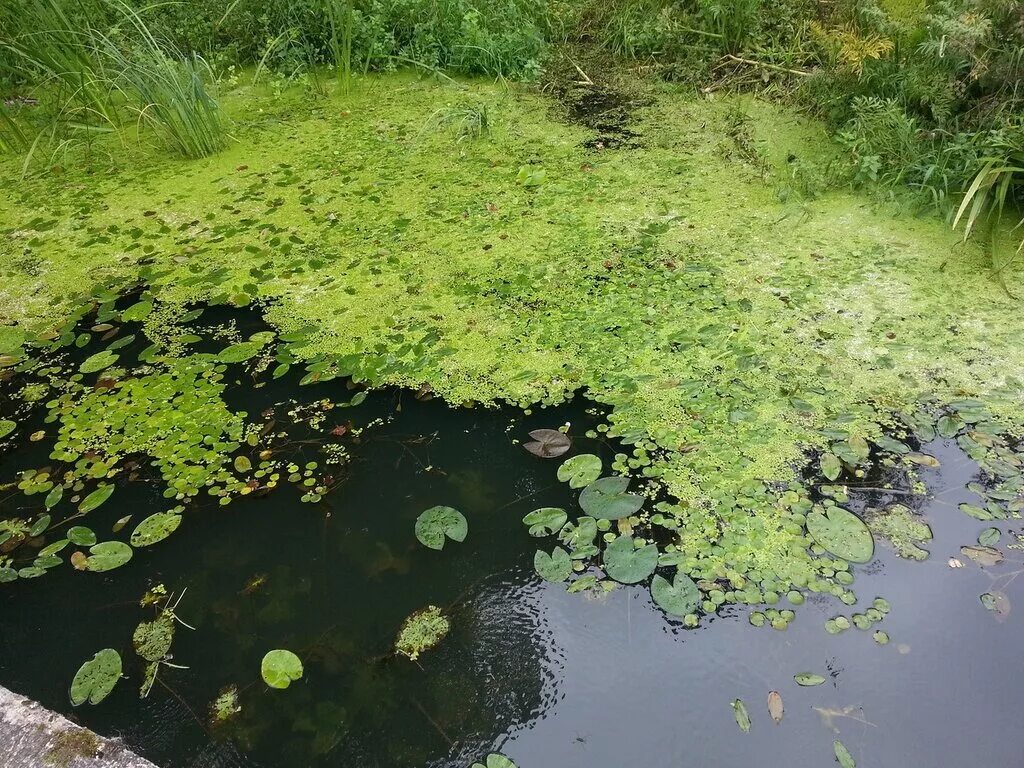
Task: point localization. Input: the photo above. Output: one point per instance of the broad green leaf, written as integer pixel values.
(154, 528)
(53, 548)
(677, 598)
(948, 426)
(580, 470)
(607, 499)
(96, 678)
(830, 465)
(11, 339)
(54, 496)
(239, 353)
(280, 668)
(545, 521)
(843, 755)
(6, 427)
(138, 311)
(555, 567)
(579, 534)
(627, 564)
(98, 362)
(989, 537)
(437, 522)
(243, 464)
(739, 711)
(8, 575)
(96, 498)
(81, 536)
(842, 533)
(39, 526)
(978, 513)
(108, 555)
(808, 679)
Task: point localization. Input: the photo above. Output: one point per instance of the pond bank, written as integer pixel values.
(31, 736)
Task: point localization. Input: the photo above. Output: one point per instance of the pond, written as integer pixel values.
(600, 678)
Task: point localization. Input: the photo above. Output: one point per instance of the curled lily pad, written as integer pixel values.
(155, 528)
(548, 443)
(739, 711)
(108, 555)
(494, 760)
(437, 522)
(581, 470)
(627, 564)
(96, 678)
(6, 427)
(579, 534)
(678, 598)
(555, 567)
(842, 533)
(607, 499)
(98, 362)
(280, 668)
(545, 521)
(96, 498)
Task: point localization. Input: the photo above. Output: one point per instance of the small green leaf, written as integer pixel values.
(54, 496)
(830, 465)
(843, 755)
(842, 533)
(108, 555)
(98, 362)
(627, 564)
(96, 678)
(495, 760)
(6, 427)
(154, 528)
(243, 464)
(437, 522)
(607, 499)
(96, 498)
(989, 537)
(81, 536)
(239, 353)
(739, 711)
(545, 521)
(677, 598)
(555, 567)
(808, 679)
(280, 668)
(580, 471)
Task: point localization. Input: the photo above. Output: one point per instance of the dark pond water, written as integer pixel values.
(546, 677)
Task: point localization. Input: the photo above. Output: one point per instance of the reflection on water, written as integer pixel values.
(548, 678)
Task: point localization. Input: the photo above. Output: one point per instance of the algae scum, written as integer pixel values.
(762, 472)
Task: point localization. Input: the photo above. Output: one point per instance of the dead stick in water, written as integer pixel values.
(432, 721)
(773, 67)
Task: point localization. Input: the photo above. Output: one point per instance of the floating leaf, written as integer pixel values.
(11, 339)
(948, 426)
(579, 535)
(989, 537)
(775, 708)
(627, 564)
(842, 533)
(843, 755)
(81, 536)
(545, 521)
(421, 631)
(120, 523)
(607, 499)
(138, 311)
(39, 526)
(924, 460)
(108, 555)
(54, 496)
(95, 499)
(976, 512)
(983, 556)
(154, 528)
(580, 470)
(242, 464)
(548, 443)
(494, 760)
(6, 427)
(739, 711)
(280, 668)
(830, 465)
(239, 353)
(555, 567)
(997, 602)
(96, 678)
(679, 598)
(808, 679)
(8, 575)
(152, 639)
(98, 362)
(437, 522)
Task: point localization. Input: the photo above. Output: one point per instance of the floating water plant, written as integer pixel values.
(580, 470)
(436, 524)
(280, 668)
(421, 631)
(902, 528)
(495, 760)
(96, 678)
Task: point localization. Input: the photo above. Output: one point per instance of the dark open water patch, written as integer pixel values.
(546, 677)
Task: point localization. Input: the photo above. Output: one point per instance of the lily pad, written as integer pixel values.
(579, 534)
(11, 339)
(434, 524)
(96, 498)
(830, 466)
(494, 760)
(607, 499)
(739, 711)
(545, 521)
(108, 555)
(555, 567)
(989, 537)
(6, 427)
(98, 362)
(842, 533)
(843, 755)
(627, 564)
(81, 536)
(983, 556)
(280, 668)
(548, 443)
(678, 598)
(998, 603)
(96, 678)
(155, 528)
(808, 679)
(239, 353)
(581, 470)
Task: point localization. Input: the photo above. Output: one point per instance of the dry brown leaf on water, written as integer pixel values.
(775, 708)
(548, 443)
